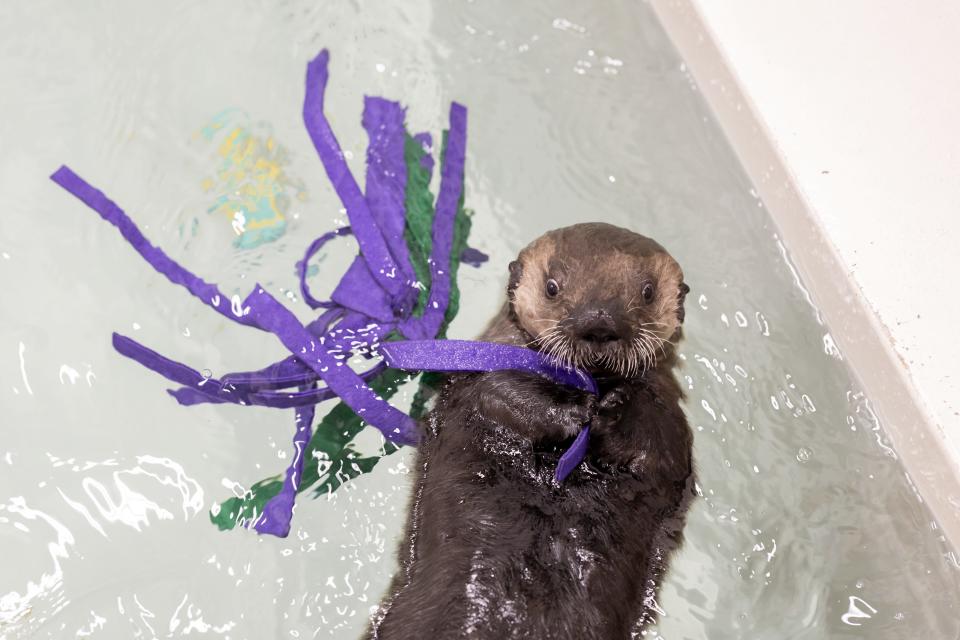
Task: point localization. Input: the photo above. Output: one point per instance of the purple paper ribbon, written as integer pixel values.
(574, 455)
(278, 512)
(303, 266)
(375, 296)
(471, 355)
(381, 264)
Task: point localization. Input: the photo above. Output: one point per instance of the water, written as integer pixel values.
(808, 526)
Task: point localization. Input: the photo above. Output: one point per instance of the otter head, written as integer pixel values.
(599, 297)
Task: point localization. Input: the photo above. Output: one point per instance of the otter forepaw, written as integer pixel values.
(614, 399)
(610, 409)
(573, 415)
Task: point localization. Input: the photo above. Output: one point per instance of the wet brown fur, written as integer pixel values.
(495, 548)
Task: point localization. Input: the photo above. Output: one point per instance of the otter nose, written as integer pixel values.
(598, 327)
(599, 335)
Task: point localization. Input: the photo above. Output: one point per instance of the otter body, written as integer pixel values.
(495, 547)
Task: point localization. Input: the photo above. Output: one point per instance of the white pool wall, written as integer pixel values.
(847, 118)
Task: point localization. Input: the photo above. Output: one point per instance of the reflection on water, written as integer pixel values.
(807, 527)
(44, 592)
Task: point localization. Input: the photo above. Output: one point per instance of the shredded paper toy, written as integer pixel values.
(392, 307)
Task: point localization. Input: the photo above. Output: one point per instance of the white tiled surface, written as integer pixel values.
(862, 99)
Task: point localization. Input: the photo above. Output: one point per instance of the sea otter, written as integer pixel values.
(495, 547)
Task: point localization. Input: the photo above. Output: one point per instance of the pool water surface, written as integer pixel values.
(186, 114)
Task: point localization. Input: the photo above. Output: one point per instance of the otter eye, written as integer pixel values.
(647, 292)
(552, 288)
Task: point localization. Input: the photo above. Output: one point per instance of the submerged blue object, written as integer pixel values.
(373, 301)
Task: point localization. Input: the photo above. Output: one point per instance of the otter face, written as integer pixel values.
(599, 297)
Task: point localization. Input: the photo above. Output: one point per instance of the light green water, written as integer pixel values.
(808, 526)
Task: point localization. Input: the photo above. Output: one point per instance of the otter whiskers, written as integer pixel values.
(555, 343)
(635, 357)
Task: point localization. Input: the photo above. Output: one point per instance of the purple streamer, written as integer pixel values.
(198, 389)
(189, 396)
(169, 369)
(372, 244)
(160, 261)
(573, 456)
(303, 265)
(470, 355)
(448, 201)
(278, 511)
(387, 182)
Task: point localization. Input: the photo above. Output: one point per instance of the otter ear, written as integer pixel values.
(682, 292)
(516, 272)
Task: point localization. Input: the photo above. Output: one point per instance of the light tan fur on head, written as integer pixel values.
(600, 271)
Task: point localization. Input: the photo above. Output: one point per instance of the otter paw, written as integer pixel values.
(610, 410)
(614, 398)
(573, 415)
